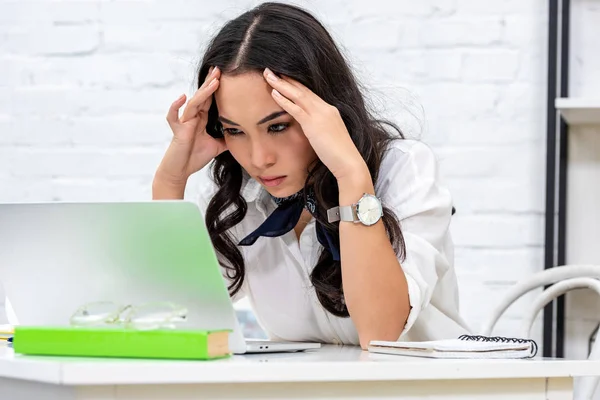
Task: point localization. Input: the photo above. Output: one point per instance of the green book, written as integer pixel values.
(117, 342)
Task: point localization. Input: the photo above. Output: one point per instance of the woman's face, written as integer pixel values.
(267, 142)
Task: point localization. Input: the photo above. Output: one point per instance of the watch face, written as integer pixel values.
(369, 209)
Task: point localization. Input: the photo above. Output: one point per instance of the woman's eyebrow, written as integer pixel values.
(271, 117)
(227, 121)
(268, 118)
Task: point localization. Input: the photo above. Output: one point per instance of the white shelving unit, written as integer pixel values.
(579, 111)
(582, 114)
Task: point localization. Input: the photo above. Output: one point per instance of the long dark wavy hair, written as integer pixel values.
(290, 41)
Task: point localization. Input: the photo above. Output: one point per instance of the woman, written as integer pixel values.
(288, 152)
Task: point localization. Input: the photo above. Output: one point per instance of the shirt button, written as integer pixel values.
(335, 341)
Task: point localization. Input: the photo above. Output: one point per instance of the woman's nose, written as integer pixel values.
(263, 155)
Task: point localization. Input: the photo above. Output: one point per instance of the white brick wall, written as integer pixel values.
(85, 85)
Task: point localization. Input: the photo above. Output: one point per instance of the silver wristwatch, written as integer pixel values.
(368, 210)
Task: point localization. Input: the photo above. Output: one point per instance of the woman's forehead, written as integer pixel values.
(245, 98)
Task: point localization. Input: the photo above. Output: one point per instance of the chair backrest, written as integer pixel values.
(539, 279)
(560, 280)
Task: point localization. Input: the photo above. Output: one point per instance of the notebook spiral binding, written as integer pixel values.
(501, 339)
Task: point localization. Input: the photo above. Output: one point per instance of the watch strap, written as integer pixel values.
(344, 213)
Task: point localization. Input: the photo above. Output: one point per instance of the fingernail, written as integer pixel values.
(270, 75)
(214, 71)
(181, 97)
(276, 93)
(213, 82)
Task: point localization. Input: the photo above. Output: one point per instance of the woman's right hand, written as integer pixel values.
(191, 148)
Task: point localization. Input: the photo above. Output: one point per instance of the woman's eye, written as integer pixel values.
(277, 128)
(232, 131)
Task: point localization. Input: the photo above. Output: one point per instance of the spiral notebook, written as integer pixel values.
(466, 346)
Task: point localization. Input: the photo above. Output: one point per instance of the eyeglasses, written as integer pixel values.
(146, 316)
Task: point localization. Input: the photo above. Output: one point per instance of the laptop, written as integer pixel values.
(56, 257)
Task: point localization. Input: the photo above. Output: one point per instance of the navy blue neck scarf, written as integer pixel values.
(286, 217)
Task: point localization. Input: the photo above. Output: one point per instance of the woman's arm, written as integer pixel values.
(383, 297)
(375, 288)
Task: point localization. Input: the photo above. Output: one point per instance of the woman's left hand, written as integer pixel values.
(322, 125)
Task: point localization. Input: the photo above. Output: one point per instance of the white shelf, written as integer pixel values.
(578, 111)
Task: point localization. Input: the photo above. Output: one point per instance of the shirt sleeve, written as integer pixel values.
(206, 190)
(408, 185)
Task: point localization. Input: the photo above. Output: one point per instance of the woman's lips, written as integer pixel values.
(271, 180)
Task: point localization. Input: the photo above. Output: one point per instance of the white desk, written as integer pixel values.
(332, 372)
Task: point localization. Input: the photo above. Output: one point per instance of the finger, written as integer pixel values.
(294, 82)
(202, 94)
(204, 106)
(293, 109)
(173, 114)
(300, 97)
(213, 72)
(311, 95)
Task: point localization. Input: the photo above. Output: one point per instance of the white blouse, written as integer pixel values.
(277, 281)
